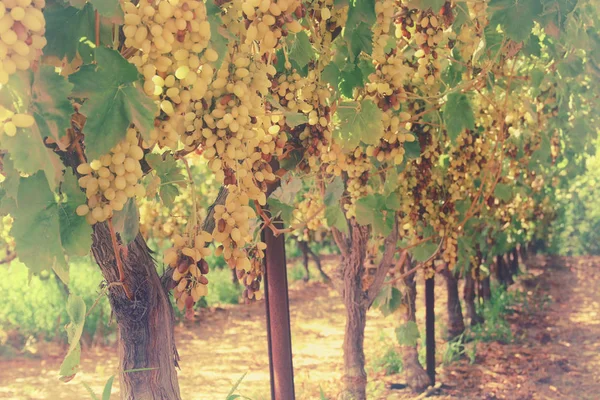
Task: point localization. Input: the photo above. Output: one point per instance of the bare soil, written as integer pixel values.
(555, 354)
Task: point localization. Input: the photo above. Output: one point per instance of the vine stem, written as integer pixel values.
(194, 225)
(113, 237)
(97, 27)
(419, 265)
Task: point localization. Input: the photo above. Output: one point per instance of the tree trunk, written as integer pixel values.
(484, 289)
(514, 262)
(317, 261)
(304, 249)
(456, 324)
(469, 296)
(357, 300)
(145, 322)
(355, 377)
(416, 377)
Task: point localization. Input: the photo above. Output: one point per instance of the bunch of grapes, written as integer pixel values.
(9, 121)
(310, 212)
(22, 28)
(172, 38)
(111, 180)
(186, 257)
(267, 21)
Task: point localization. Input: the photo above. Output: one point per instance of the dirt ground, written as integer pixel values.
(555, 354)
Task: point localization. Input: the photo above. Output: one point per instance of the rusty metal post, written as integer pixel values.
(278, 317)
(430, 327)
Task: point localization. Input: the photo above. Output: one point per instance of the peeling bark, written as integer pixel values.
(469, 297)
(416, 377)
(145, 323)
(456, 324)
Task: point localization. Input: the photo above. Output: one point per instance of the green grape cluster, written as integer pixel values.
(111, 180)
(22, 28)
(10, 122)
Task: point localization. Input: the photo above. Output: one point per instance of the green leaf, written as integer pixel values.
(503, 192)
(358, 122)
(26, 148)
(114, 101)
(408, 334)
(388, 300)
(169, 172)
(36, 226)
(287, 191)
(336, 219)
(412, 150)
(108, 8)
(127, 222)
(11, 179)
(301, 50)
(236, 385)
(435, 5)
(453, 75)
(331, 75)
(333, 192)
(50, 104)
(423, 251)
(75, 232)
(462, 15)
(372, 210)
(350, 79)
(516, 17)
(458, 115)
(293, 119)
(90, 391)
(66, 27)
(219, 37)
(108, 388)
(285, 211)
(359, 12)
(76, 310)
(361, 40)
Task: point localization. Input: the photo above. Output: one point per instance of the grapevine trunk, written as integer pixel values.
(456, 324)
(145, 322)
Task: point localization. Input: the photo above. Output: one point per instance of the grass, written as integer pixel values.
(34, 307)
(387, 358)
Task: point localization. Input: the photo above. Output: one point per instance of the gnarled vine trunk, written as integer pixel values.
(469, 297)
(145, 322)
(357, 300)
(456, 324)
(416, 377)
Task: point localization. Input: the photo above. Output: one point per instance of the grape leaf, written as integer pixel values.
(372, 210)
(458, 115)
(11, 179)
(127, 222)
(359, 12)
(361, 39)
(36, 227)
(358, 122)
(66, 27)
(219, 36)
(50, 104)
(336, 219)
(423, 251)
(108, 8)
(114, 101)
(333, 192)
(281, 209)
(76, 310)
(300, 49)
(388, 300)
(26, 148)
(503, 192)
(331, 75)
(293, 119)
(75, 232)
(349, 78)
(515, 16)
(170, 175)
(407, 334)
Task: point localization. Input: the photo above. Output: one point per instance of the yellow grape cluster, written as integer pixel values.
(327, 21)
(172, 37)
(297, 94)
(252, 278)
(310, 212)
(9, 121)
(270, 20)
(22, 28)
(237, 137)
(187, 258)
(429, 33)
(111, 180)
